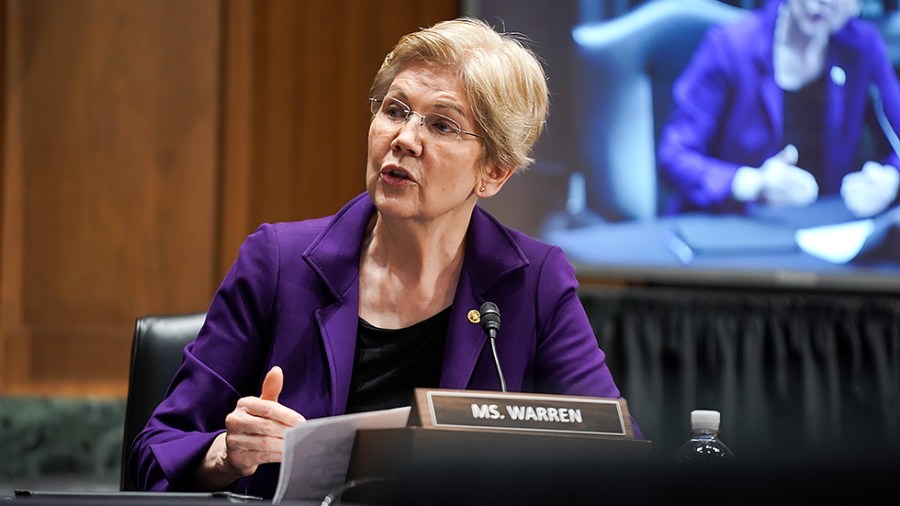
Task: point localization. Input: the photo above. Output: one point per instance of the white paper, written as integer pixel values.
(837, 244)
(317, 453)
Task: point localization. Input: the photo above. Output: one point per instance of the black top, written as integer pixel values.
(804, 126)
(390, 363)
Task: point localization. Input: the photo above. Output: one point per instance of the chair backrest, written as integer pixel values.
(156, 354)
(625, 71)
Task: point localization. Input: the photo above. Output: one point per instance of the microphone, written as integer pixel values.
(490, 322)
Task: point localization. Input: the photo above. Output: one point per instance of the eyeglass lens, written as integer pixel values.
(398, 112)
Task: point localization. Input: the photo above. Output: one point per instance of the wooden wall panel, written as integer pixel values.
(10, 194)
(117, 108)
(143, 139)
(296, 113)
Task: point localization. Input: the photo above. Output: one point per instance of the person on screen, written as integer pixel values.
(771, 110)
(353, 311)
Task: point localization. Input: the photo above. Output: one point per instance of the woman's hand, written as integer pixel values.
(254, 435)
(871, 190)
(778, 182)
(785, 184)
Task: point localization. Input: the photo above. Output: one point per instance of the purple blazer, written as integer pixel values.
(728, 109)
(292, 299)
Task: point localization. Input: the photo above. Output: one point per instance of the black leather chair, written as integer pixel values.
(625, 69)
(156, 353)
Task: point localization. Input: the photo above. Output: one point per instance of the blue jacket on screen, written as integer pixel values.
(728, 109)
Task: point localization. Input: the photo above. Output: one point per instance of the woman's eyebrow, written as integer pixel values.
(452, 106)
(399, 92)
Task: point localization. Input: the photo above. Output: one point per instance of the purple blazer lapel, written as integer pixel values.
(338, 326)
(836, 135)
(465, 339)
(491, 255)
(761, 48)
(334, 255)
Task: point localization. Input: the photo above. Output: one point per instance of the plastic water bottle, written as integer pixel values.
(704, 445)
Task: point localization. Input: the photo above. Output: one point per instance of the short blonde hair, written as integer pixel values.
(503, 80)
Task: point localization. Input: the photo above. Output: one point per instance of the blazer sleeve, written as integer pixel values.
(222, 365)
(700, 96)
(569, 360)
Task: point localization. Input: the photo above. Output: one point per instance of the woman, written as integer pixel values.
(771, 109)
(351, 312)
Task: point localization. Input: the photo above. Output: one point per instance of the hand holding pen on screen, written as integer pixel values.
(778, 181)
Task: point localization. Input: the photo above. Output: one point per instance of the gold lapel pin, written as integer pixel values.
(474, 316)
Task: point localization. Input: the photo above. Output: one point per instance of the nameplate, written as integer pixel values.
(540, 413)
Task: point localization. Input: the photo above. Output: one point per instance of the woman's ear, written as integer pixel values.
(492, 179)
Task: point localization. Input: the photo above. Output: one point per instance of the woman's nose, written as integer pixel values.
(409, 137)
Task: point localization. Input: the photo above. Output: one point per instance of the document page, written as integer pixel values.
(837, 244)
(317, 453)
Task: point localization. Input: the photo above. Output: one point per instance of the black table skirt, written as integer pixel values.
(815, 373)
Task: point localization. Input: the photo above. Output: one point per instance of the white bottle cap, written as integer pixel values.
(705, 420)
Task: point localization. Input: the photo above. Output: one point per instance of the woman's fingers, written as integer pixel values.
(255, 429)
(261, 408)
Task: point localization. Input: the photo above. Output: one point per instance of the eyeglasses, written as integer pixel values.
(396, 112)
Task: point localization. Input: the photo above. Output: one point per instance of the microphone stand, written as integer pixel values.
(490, 322)
(883, 122)
(497, 362)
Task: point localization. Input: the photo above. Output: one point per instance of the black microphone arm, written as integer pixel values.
(490, 322)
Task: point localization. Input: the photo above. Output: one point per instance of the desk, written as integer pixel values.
(508, 482)
(650, 249)
(499, 480)
(134, 499)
